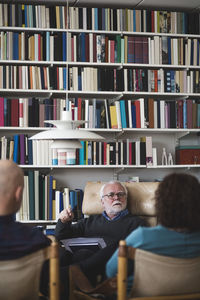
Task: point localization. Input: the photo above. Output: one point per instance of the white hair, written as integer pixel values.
(112, 182)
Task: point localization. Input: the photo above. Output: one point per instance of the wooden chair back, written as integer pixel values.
(20, 278)
(157, 276)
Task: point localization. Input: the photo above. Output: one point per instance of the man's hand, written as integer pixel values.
(66, 215)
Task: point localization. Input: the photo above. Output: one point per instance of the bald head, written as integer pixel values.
(11, 187)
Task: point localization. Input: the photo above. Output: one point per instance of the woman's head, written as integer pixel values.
(178, 202)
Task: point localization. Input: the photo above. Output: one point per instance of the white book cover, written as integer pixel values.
(127, 151)
(152, 52)
(76, 19)
(137, 153)
(119, 121)
(156, 50)
(94, 104)
(84, 18)
(175, 51)
(125, 80)
(57, 195)
(122, 148)
(162, 114)
(25, 111)
(130, 114)
(1, 15)
(69, 52)
(66, 203)
(39, 152)
(47, 25)
(117, 153)
(142, 118)
(2, 46)
(149, 151)
(60, 72)
(15, 75)
(91, 113)
(87, 113)
(100, 153)
(195, 52)
(149, 50)
(34, 147)
(94, 153)
(75, 47)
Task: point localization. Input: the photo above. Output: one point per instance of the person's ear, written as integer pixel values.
(18, 193)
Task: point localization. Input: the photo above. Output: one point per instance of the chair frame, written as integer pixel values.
(27, 265)
(128, 252)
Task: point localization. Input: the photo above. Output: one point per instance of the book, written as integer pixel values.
(75, 244)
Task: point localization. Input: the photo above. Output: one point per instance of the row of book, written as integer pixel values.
(133, 80)
(30, 112)
(24, 151)
(126, 152)
(33, 46)
(92, 47)
(175, 51)
(33, 77)
(99, 79)
(41, 16)
(102, 113)
(142, 113)
(43, 200)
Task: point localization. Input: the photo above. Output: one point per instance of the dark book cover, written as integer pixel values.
(80, 17)
(142, 153)
(31, 193)
(99, 18)
(52, 16)
(112, 153)
(22, 149)
(30, 152)
(89, 18)
(58, 46)
(172, 106)
(41, 198)
(124, 153)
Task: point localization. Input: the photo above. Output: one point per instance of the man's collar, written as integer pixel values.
(118, 216)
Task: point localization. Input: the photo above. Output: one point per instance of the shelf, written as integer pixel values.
(33, 62)
(23, 129)
(33, 93)
(109, 167)
(157, 94)
(39, 221)
(108, 32)
(94, 94)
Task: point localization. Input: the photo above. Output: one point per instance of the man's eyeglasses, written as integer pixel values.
(112, 195)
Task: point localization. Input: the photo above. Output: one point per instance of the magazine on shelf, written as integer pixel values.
(76, 244)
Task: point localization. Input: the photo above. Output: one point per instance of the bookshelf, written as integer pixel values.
(99, 58)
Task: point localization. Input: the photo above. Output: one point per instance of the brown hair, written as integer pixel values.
(178, 202)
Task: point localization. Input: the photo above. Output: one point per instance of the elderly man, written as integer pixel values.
(114, 224)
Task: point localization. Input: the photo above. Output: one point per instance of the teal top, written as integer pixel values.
(160, 240)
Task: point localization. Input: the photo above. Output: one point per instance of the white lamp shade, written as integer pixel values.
(66, 144)
(65, 134)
